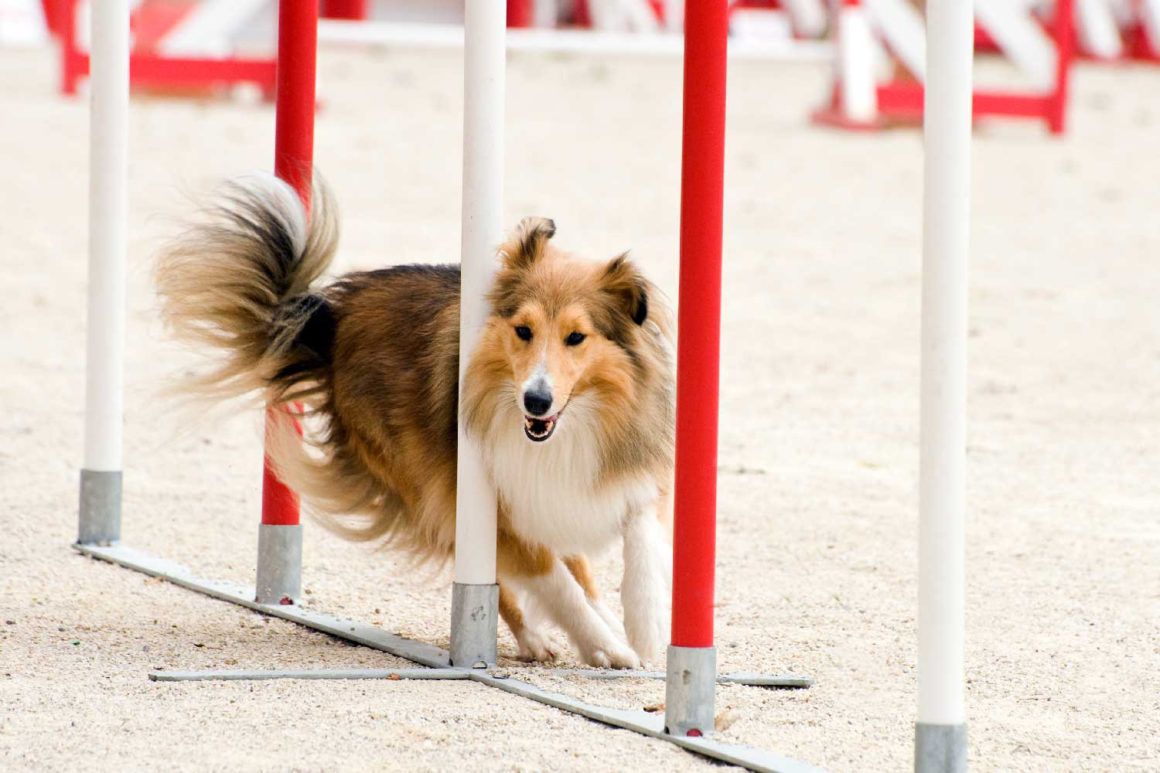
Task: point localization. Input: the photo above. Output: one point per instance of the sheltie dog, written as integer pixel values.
(569, 395)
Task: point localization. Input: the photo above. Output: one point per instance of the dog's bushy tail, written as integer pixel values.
(238, 281)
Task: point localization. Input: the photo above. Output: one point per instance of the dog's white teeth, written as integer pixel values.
(539, 429)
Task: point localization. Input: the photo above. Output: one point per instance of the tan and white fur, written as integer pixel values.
(569, 394)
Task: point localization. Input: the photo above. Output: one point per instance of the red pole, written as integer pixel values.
(294, 163)
(345, 9)
(294, 121)
(699, 322)
(69, 55)
(1065, 51)
(54, 13)
(520, 13)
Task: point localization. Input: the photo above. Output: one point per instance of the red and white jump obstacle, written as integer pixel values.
(167, 47)
(691, 671)
(871, 32)
(1118, 30)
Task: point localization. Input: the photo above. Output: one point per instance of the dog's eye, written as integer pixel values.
(575, 339)
(524, 332)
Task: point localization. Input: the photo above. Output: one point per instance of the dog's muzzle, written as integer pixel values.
(537, 402)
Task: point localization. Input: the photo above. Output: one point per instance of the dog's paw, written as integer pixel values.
(609, 619)
(648, 635)
(612, 655)
(534, 647)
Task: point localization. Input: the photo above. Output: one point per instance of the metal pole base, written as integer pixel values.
(940, 748)
(279, 564)
(474, 619)
(691, 678)
(100, 508)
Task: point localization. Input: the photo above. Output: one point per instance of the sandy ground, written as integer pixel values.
(819, 427)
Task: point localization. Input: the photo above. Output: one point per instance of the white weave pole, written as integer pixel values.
(100, 487)
(940, 734)
(475, 595)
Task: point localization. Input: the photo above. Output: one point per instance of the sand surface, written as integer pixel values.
(818, 430)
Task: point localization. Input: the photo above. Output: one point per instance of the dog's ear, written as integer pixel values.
(628, 288)
(526, 244)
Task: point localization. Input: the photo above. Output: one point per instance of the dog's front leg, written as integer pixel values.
(563, 599)
(645, 590)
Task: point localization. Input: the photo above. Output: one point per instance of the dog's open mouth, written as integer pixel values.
(539, 430)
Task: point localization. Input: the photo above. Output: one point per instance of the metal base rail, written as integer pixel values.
(437, 664)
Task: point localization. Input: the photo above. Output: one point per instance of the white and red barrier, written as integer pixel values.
(172, 45)
(801, 19)
(1105, 30)
(873, 31)
(1116, 30)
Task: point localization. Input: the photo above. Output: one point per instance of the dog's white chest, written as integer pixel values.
(550, 493)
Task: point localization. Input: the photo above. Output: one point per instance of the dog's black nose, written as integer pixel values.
(537, 403)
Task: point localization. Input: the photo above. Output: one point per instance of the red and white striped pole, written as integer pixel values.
(692, 659)
(279, 579)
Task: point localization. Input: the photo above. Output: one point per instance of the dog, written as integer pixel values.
(569, 394)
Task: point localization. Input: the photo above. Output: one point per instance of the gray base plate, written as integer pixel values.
(260, 674)
(437, 660)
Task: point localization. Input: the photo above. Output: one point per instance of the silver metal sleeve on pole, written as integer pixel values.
(940, 748)
(279, 564)
(690, 687)
(100, 507)
(474, 623)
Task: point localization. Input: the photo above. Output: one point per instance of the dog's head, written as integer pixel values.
(562, 332)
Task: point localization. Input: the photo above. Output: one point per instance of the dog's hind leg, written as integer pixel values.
(538, 571)
(580, 568)
(533, 644)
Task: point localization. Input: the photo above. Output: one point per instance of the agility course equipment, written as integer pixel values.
(279, 573)
(1141, 30)
(940, 742)
(100, 487)
(278, 577)
(940, 735)
(171, 46)
(801, 18)
(1116, 30)
(564, 41)
(475, 594)
(871, 31)
(692, 659)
